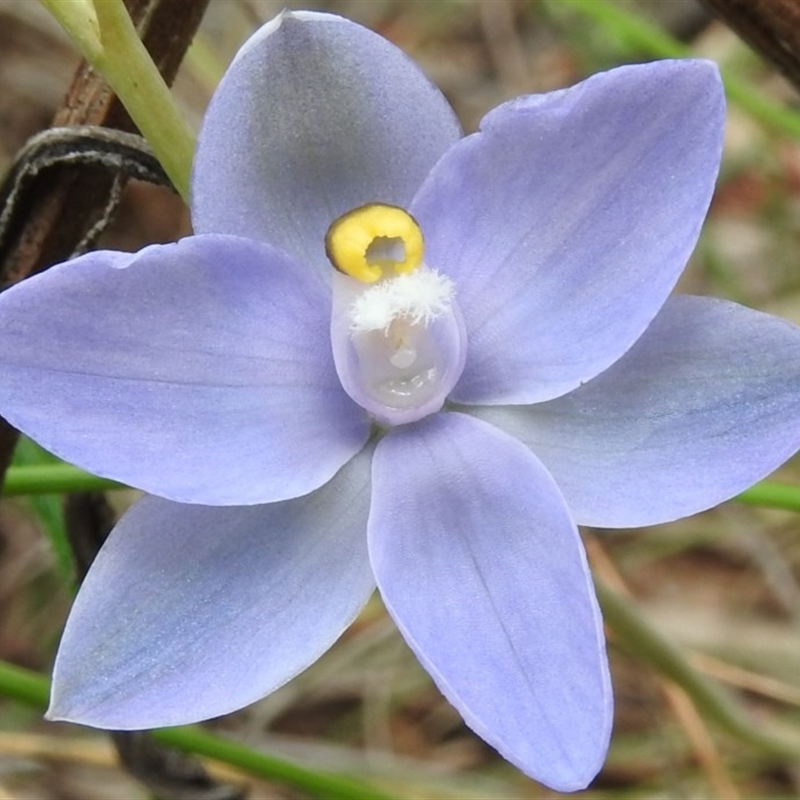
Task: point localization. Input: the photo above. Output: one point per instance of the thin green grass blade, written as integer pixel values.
(33, 689)
(638, 637)
(53, 478)
(772, 495)
(31, 459)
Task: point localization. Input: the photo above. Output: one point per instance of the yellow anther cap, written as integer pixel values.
(374, 239)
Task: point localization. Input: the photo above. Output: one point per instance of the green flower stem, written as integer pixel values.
(772, 495)
(58, 478)
(104, 33)
(33, 690)
(24, 685)
(61, 478)
(636, 636)
(54, 479)
(79, 19)
(634, 30)
(192, 739)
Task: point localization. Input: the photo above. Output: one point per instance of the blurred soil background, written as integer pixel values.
(723, 585)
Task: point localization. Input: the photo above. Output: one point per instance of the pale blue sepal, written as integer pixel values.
(190, 612)
(567, 219)
(200, 371)
(482, 568)
(705, 404)
(316, 116)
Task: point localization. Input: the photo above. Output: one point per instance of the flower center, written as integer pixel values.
(397, 334)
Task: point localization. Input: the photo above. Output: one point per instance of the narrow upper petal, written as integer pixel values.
(190, 612)
(567, 220)
(480, 565)
(316, 116)
(706, 403)
(200, 371)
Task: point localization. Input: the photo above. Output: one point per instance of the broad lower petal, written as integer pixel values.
(705, 404)
(190, 612)
(480, 565)
(199, 371)
(567, 220)
(315, 116)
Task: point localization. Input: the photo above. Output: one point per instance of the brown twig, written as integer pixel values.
(771, 27)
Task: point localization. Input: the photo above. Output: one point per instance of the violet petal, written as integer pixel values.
(200, 371)
(317, 115)
(482, 568)
(705, 404)
(567, 220)
(190, 611)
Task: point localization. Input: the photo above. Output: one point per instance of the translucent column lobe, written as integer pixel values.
(399, 346)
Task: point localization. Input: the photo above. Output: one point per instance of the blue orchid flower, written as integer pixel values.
(395, 355)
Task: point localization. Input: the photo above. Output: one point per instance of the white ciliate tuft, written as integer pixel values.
(419, 297)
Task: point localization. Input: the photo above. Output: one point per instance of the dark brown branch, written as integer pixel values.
(771, 27)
